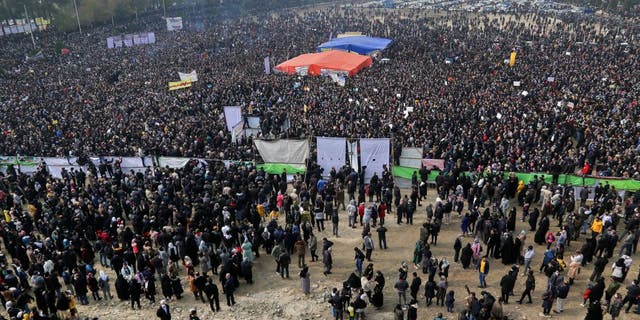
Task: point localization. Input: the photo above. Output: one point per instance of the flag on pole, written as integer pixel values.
(512, 59)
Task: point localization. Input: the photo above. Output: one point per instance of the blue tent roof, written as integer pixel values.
(357, 44)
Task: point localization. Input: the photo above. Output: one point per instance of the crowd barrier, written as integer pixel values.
(29, 165)
(568, 179)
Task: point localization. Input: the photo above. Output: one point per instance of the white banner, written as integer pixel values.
(374, 153)
(352, 148)
(172, 162)
(253, 122)
(411, 157)
(233, 116)
(331, 153)
(174, 23)
(237, 132)
(192, 76)
(283, 151)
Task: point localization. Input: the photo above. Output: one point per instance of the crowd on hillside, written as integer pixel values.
(180, 226)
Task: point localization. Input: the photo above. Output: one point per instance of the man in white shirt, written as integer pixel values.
(528, 256)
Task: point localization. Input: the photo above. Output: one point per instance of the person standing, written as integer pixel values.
(528, 256)
(327, 260)
(401, 287)
(529, 286)
(412, 312)
(318, 213)
(632, 293)
(368, 246)
(359, 258)
(305, 280)
(382, 236)
(483, 270)
(415, 286)
(135, 291)
(457, 246)
(313, 247)
(334, 222)
(547, 303)
(300, 249)
(193, 314)
(352, 210)
(285, 260)
(561, 296)
(506, 285)
(211, 290)
(275, 253)
(163, 312)
(229, 288)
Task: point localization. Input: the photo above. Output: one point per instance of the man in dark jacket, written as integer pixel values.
(135, 290)
(229, 289)
(415, 286)
(211, 290)
(506, 284)
(163, 313)
(285, 260)
(633, 291)
(529, 286)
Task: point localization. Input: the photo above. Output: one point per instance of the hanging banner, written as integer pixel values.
(237, 132)
(512, 59)
(331, 153)
(192, 76)
(411, 157)
(174, 23)
(374, 154)
(179, 85)
(430, 163)
(352, 153)
(283, 151)
(267, 65)
(232, 116)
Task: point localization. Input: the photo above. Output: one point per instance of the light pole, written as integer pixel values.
(77, 16)
(164, 9)
(29, 22)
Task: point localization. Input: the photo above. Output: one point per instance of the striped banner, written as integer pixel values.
(179, 85)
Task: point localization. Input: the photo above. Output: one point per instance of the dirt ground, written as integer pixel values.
(271, 297)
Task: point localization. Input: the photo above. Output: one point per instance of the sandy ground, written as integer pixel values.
(271, 297)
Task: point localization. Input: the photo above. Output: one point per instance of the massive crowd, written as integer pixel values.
(172, 225)
(579, 110)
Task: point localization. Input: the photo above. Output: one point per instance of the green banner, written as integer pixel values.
(278, 168)
(569, 179)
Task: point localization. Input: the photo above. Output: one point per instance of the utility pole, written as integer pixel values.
(164, 9)
(29, 22)
(77, 17)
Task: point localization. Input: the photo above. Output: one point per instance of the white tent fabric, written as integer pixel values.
(232, 116)
(374, 153)
(411, 157)
(331, 153)
(283, 151)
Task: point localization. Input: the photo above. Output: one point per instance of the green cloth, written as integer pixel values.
(570, 179)
(277, 168)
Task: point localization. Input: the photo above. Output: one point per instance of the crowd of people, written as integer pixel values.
(66, 238)
(99, 101)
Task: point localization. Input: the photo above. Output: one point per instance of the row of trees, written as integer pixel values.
(106, 11)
